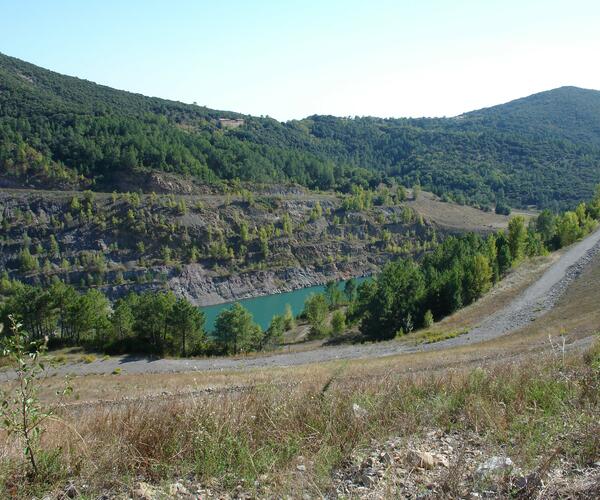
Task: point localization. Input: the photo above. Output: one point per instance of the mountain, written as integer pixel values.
(565, 113)
(62, 132)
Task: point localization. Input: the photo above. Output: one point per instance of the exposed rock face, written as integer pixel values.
(204, 288)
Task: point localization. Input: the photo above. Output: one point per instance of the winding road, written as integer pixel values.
(536, 300)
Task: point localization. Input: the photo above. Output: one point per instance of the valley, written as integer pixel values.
(197, 303)
(219, 248)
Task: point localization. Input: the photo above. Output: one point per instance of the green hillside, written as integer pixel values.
(63, 132)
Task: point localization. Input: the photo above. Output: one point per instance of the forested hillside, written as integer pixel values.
(58, 131)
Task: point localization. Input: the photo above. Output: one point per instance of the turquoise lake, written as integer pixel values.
(264, 308)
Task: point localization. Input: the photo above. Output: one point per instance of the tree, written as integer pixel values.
(350, 289)
(54, 247)
(502, 208)
(316, 308)
(492, 254)
(287, 224)
(338, 322)
(503, 252)
(236, 331)
(244, 232)
(316, 212)
(186, 322)
(428, 319)
(35, 307)
(288, 318)
(534, 244)
(333, 294)
(479, 277)
(274, 334)
(545, 224)
(517, 238)
(166, 255)
(263, 237)
(28, 262)
(567, 228)
(594, 206)
(87, 317)
(400, 289)
(152, 312)
(416, 191)
(122, 319)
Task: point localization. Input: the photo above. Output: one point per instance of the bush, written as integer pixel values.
(428, 319)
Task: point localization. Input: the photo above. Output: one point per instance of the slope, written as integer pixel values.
(63, 132)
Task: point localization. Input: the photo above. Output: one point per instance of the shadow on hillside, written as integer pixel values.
(349, 338)
(131, 358)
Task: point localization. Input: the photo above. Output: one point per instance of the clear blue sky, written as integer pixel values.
(290, 59)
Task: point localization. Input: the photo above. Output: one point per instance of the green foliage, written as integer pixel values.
(350, 289)
(153, 322)
(236, 331)
(545, 225)
(333, 294)
(287, 225)
(21, 411)
(416, 190)
(504, 257)
(316, 212)
(263, 238)
(288, 318)
(186, 322)
(275, 332)
(315, 311)
(360, 199)
(457, 272)
(27, 261)
(338, 322)
(244, 232)
(64, 131)
(54, 247)
(122, 320)
(428, 319)
(517, 238)
(567, 228)
(502, 208)
(479, 277)
(396, 301)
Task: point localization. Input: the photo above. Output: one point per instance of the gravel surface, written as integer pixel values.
(532, 303)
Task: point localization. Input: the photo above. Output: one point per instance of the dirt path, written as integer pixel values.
(536, 300)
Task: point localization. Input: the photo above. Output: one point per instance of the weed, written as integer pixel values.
(88, 358)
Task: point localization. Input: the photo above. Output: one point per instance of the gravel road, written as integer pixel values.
(532, 303)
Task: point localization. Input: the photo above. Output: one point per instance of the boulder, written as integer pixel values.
(494, 467)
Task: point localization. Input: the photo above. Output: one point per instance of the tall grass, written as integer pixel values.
(535, 409)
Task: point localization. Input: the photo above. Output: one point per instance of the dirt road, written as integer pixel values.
(536, 300)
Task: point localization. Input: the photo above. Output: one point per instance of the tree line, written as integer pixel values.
(406, 295)
(67, 132)
(410, 294)
(153, 322)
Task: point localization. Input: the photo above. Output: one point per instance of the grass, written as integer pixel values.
(88, 358)
(534, 409)
(432, 336)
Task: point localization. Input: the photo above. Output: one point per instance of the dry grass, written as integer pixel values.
(107, 387)
(527, 400)
(531, 408)
(454, 217)
(432, 336)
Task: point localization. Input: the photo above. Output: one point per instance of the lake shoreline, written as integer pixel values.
(264, 307)
(206, 289)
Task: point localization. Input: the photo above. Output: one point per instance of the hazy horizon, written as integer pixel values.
(384, 59)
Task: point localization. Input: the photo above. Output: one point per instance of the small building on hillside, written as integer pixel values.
(231, 122)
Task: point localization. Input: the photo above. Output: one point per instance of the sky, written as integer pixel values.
(291, 59)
